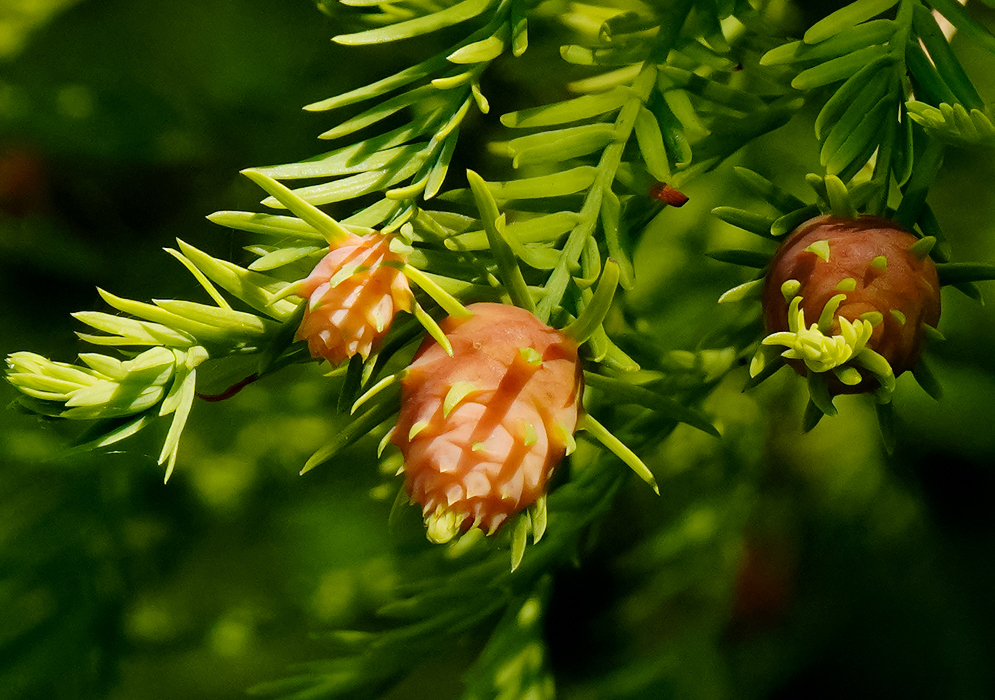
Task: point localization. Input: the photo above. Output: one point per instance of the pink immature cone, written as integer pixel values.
(868, 260)
(483, 430)
(352, 298)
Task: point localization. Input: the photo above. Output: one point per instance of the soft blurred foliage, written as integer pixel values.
(775, 564)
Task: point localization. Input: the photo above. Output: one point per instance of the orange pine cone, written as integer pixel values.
(352, 298)
(870, 266)
(483, 430)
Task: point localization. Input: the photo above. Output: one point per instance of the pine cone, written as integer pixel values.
(483, 430)
(352, 298)
(851, 277)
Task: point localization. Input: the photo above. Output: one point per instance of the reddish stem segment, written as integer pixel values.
(230, 391)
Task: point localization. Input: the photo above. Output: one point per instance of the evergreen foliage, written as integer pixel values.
(506, 163)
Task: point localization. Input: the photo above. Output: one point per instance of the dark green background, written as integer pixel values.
(774, 564)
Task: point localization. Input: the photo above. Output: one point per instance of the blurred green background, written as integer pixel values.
(776, 564)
